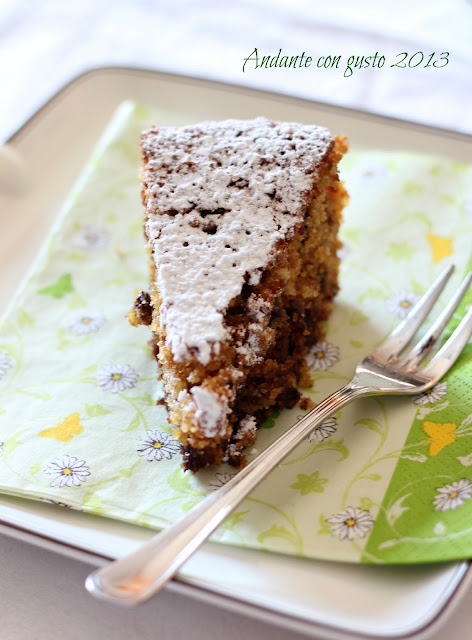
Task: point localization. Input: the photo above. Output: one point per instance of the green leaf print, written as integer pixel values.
(77, 256)
(366, 503)
(372, 424)
(356, 344)
(95, 410)
(134, 424)
(324, 526)
(357, 317)
(372, 292)
(416, 287)
(148, 400)
(111, 218)
(127, 473)
(89, 370)
(371, 476)
(145, 399)
(94, 504)
(180, 481)
(327, 445)
(338, 446)
(135, 227)
(277, 531)
(188, 506)
(25, 319)
(35, 469)
(234, 519)
(309, 484)
(436, 170)
(411, 188)
(60, 288)
(62, 339)
(400, 251)
(353, 234)
(448, 199)
(77, 302)
(13, 442)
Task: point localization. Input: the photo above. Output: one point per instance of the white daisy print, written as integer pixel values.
(85, 321)
(157, 445)
(324, 431)
(402, 302)
(322, 356)
(451, 496)
(351, 523)
(116, 377)
(220, 480)
(67, 472)
(90, 238)
(432, 395)
(5, 363)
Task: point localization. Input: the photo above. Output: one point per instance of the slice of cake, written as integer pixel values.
(241, 222)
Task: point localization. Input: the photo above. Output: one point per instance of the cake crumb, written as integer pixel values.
(306, 403)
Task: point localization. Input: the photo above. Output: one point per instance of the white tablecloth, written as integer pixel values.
(44, 44)
(42, 598)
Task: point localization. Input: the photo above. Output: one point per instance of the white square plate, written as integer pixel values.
(338, 600)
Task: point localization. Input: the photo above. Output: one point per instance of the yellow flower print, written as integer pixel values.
(65, 430)
(440, 435)
(440, 246)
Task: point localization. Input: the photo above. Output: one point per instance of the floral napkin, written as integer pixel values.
(385, 480)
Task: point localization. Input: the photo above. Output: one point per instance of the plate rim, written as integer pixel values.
(454, 591)
(187, 588)
(362, 114)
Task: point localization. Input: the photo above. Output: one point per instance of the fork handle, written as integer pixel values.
(136, 577)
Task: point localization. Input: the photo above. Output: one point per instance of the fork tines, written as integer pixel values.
(404, 332)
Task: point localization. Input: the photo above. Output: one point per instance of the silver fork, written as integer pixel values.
(137, 576)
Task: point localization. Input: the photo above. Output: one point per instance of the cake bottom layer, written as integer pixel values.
(270, 385)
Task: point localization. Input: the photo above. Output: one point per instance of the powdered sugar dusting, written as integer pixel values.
(246, 428)
(211, 411)
(220, 195)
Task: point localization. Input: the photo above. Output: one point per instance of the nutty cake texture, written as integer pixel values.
(241, 221)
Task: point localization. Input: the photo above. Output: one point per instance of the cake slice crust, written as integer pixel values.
(241, 222)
